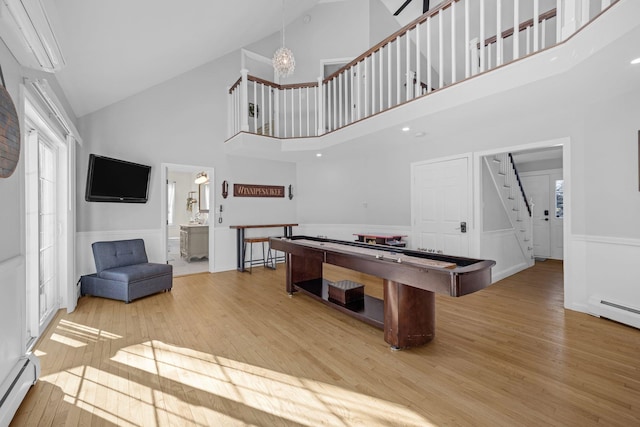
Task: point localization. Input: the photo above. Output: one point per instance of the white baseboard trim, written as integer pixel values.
(503, 274)
(14, 388)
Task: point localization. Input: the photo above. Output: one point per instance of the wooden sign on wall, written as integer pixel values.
(251, 190)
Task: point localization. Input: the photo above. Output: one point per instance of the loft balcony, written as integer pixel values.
(452, 55)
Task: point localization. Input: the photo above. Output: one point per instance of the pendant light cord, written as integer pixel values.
(282, 23)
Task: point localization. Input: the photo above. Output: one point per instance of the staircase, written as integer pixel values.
(509, 188)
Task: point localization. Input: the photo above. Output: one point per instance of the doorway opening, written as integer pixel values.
(543, 170)
(187, 236)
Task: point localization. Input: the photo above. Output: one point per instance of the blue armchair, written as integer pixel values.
(123, 272)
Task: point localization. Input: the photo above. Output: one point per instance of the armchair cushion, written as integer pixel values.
(118, 253)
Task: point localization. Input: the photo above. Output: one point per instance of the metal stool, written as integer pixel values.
(266, 255)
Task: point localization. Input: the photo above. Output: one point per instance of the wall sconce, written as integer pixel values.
(201, 178)
(225, 189)
(290, 191)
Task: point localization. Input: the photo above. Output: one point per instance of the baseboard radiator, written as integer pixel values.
(615, 310)
(23, 375)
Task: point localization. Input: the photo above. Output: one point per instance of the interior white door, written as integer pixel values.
(440, 204)
(536, 188)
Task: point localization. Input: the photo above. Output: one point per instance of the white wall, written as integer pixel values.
(182, 121)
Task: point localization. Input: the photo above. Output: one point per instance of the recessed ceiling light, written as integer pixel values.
(635, 61)
(318, 154)
(406, 129)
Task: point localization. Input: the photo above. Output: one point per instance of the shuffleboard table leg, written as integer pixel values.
(409, 315)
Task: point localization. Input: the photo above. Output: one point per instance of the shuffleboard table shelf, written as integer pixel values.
(370, 310)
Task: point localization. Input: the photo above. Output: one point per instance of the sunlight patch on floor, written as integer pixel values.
(264, 389)
(154, 383)
(83, 333)
(67, 341)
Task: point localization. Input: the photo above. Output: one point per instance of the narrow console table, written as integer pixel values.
(288, 232)
(410, 280)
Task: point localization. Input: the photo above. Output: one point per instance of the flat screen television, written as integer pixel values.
(113, 180)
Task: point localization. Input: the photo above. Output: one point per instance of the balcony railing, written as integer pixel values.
(452, 42)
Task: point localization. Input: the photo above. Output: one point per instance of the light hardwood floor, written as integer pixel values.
(234, 349)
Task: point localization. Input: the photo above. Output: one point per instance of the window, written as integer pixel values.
(171, 201)
(560, 198)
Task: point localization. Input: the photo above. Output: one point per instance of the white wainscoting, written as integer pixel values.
(224, 248)
(502, 247)
(602, 269)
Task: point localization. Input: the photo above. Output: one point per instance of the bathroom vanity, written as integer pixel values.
(194, 241)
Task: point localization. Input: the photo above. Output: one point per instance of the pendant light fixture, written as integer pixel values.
(201, 178)
(283, 61)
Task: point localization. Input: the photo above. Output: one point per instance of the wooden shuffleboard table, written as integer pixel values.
(410, 280)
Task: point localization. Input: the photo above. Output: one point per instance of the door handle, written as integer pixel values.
(463, 227)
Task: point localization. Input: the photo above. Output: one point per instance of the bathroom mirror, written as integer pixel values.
(203, 197)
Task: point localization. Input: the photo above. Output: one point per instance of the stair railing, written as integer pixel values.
(519, 181)
(448, 44)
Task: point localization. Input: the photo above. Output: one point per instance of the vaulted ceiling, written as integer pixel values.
(116, 48)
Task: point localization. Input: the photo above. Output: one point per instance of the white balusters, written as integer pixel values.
(308, 112)
(483, 65)
(284, 112)
(398, 72)
(372, 83)
(263, 108)
(293, 113)
(441, 50)
(516, 29)
(366, 78)
(255, 115)
(453, 43)
(381, 78)
(450, 50)
(536, 25)
(389, 76)
(498, 33)
(429, 61)
(244, 101)
(559, 15)
(468, 56)
(271, 105)
(357, 76)
(408, 74)
(418, 54)
(320, 106)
